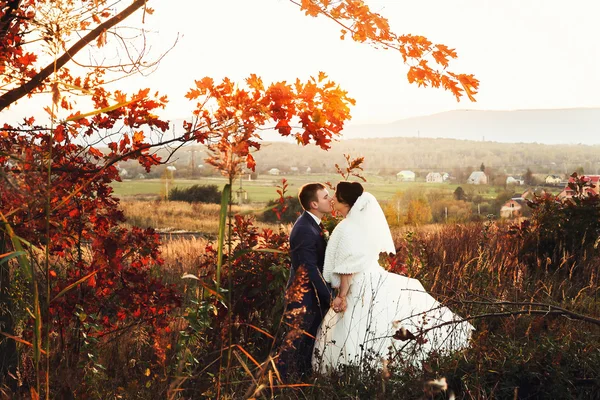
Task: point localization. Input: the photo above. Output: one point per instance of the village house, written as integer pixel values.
(515, 208)
(273, 171)
(510, 180)
(405, 176)
(477, 178)
(434, 177)
(553, 180)
(530, 193)
(567, 192)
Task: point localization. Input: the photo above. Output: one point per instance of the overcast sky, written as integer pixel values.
(526, 53)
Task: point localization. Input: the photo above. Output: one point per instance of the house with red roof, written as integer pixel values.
(567, 192)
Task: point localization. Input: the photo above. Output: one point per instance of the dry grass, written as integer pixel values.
(183, 256)
(399, 232)
(173, 216)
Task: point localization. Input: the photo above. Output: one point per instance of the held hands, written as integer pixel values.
(339, 304)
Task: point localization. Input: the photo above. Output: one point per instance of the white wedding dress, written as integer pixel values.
(380, 303)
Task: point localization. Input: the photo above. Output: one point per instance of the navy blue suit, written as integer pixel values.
(307, 248)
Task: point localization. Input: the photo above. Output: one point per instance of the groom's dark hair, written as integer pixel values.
(308, 193)
(348, 192)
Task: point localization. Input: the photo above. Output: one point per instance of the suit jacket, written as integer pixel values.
(307, 248)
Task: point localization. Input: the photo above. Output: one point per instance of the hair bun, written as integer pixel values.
(358, 188)
(348, 192)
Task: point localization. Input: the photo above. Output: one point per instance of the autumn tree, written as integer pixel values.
(459, 194)
(528, 178)
(418, 212)
(395, 208)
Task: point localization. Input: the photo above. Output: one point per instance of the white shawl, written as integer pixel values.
(357, 241)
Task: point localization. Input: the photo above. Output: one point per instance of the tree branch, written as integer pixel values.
(10, 13)
(551, 309)
(15, 94)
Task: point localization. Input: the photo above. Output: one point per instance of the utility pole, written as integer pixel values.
(193, 161)
(168, 174)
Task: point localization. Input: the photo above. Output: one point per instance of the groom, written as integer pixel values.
(307, 248)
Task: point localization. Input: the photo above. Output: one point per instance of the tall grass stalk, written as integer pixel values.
(55, 98)
(225, 206)
(29, 272)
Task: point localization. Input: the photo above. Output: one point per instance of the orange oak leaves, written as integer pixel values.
(230, 117)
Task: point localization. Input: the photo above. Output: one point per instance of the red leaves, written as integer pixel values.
(193, 94)
(283, 127)
(255, 83)
(202, 86)
(442, 54)
(417, 75)
(257, 275)
(101, 40)
(469, 84)
(281, 191)
(250, 162)
(59, 133)
(138, 137)
(83, 211)
(94, 152)
(27, 59)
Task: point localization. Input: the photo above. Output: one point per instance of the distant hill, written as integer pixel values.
(560, 126)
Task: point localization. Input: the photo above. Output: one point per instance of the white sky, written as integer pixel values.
(526, 53)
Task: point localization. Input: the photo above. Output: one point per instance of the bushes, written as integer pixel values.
(197, 194)
(564, 228)
(458, 211)
(292, 211)
(562, 233)
(254, 279)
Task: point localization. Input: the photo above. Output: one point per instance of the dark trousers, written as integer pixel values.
(298, 343)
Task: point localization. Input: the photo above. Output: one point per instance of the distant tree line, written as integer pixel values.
(386, 157)
(196, 194)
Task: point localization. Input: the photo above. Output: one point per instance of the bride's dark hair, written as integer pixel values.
(348, 192)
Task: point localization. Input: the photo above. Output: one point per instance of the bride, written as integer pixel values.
(372, 304)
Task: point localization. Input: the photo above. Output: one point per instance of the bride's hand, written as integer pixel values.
(339, 304)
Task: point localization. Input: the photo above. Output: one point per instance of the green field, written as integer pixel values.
(264, 188)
